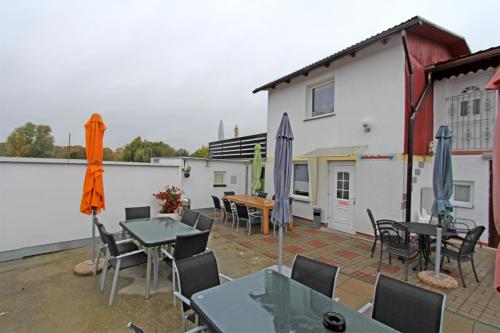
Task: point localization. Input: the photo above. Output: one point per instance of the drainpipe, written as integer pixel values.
(411, 125)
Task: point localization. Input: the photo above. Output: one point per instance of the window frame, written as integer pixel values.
(464, 204)
(310, 98)
(223, 183)
(298, 196)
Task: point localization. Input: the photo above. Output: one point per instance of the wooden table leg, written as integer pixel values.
(265, 228)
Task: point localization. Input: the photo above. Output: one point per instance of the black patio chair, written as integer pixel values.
(376, 236)
(196, 273)
(394, 239)
(228, 209)
(204, 223)
(316, 275)
(118, 261)
(124, 246)
(261, 194)
(134, 213)
(229, 193)
(405, 307)
(217, 206)
(190, 217)
(243, 214)
(185, 246)
(464, 252)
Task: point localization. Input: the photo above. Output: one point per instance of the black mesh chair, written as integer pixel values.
(217, 206)
(243, 214)
(229, 209)
(394, 239)
(229, 193)
(124, 246)
(261, 194)
(133, 213)
(464, 252)
(405, 307)
(376, 236)
(118, 261)
(316, 275)
(204, 223)
(189, 217)
(196, 273)
(185, 246)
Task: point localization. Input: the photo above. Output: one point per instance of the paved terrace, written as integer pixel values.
(41, 294)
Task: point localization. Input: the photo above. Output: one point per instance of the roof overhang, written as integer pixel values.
(346, 151)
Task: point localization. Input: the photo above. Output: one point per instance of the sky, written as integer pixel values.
(171, 70)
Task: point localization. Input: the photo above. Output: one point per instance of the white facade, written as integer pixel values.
(199, 186)
(40, 198)
(370, 90)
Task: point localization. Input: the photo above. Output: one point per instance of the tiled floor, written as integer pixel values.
(40, 294)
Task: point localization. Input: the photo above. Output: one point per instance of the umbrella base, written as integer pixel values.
(442, 281)
(87, 267)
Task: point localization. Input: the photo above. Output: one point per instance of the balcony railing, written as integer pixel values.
(238, 148)
(471, 116)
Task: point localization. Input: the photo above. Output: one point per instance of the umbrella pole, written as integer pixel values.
(93, 236)
(280, 247)
(437, 263)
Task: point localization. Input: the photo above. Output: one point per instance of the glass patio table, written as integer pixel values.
(153, 233)
(268, 301)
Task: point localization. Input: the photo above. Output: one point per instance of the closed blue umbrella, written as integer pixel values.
(282, 180)
(442, 185)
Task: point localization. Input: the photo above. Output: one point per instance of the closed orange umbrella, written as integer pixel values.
(93, 188)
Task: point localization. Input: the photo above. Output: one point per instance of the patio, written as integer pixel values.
(41, 293)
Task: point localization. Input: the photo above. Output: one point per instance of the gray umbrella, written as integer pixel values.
(282, 180)
(442, 184)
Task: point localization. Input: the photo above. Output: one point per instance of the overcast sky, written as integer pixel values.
(170, 71)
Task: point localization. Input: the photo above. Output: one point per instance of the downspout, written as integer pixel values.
(411, 125)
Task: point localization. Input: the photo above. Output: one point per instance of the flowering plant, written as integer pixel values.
(171, 199)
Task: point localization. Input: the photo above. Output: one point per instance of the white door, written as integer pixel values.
(342, 196)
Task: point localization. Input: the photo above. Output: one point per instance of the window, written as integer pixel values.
(476, 106)
(463, 194)
(322, 99)
(301, 180)
(343, 185)
(219, 178)
(463, 108)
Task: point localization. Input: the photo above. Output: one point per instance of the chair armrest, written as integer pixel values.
(128, 240)
(225, 277)
(445, 242)
(134, 328)
(167, 254)
(130, 253)
(182, 298)
(336, 299)
(365, 308)
(198, 329)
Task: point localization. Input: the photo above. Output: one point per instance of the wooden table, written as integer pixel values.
(260, 203)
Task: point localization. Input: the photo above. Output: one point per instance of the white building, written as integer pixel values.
(349, 113)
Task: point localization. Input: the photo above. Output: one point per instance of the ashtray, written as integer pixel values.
(334, 322)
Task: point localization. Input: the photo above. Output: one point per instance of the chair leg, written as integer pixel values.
(461, 274)
(115, 280)
(173, 283)
(474, 268)
(407, 267)
(380, 261)
(96, 266)
(104, 271)
(374, 246)
(390, 257)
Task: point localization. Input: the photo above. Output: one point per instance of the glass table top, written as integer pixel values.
(157, 230)
(268, 301)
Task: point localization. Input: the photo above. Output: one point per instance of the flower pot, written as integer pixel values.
(186, 175)
(175, 216)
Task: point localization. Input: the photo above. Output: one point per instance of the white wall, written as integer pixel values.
(199, 186)
(40, 198)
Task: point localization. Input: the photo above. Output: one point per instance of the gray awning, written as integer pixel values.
(335, 151)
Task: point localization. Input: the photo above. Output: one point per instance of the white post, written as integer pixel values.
(280, 247)
(437, 269)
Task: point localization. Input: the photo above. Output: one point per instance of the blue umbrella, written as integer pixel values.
(282, 180)
(442, 185)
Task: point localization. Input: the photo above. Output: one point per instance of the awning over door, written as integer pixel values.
(345, 151)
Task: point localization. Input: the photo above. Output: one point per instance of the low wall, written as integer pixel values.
(40, 200)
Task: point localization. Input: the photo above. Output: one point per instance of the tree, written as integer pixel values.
(201, 152)
(182, 152)
(140, 150)
(30, 140)
(75, 152)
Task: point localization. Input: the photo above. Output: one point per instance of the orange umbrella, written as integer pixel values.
(93, 188)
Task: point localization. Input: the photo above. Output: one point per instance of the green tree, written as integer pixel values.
(201, 152)
(75, 152)
(182, 152)
(30, 140)
(140, 150)
(2, 149)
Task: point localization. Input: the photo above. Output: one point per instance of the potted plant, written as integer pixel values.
(171, 202)
(187, 171)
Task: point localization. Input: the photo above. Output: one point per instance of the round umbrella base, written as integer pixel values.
(87, 267)
(441, 281)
